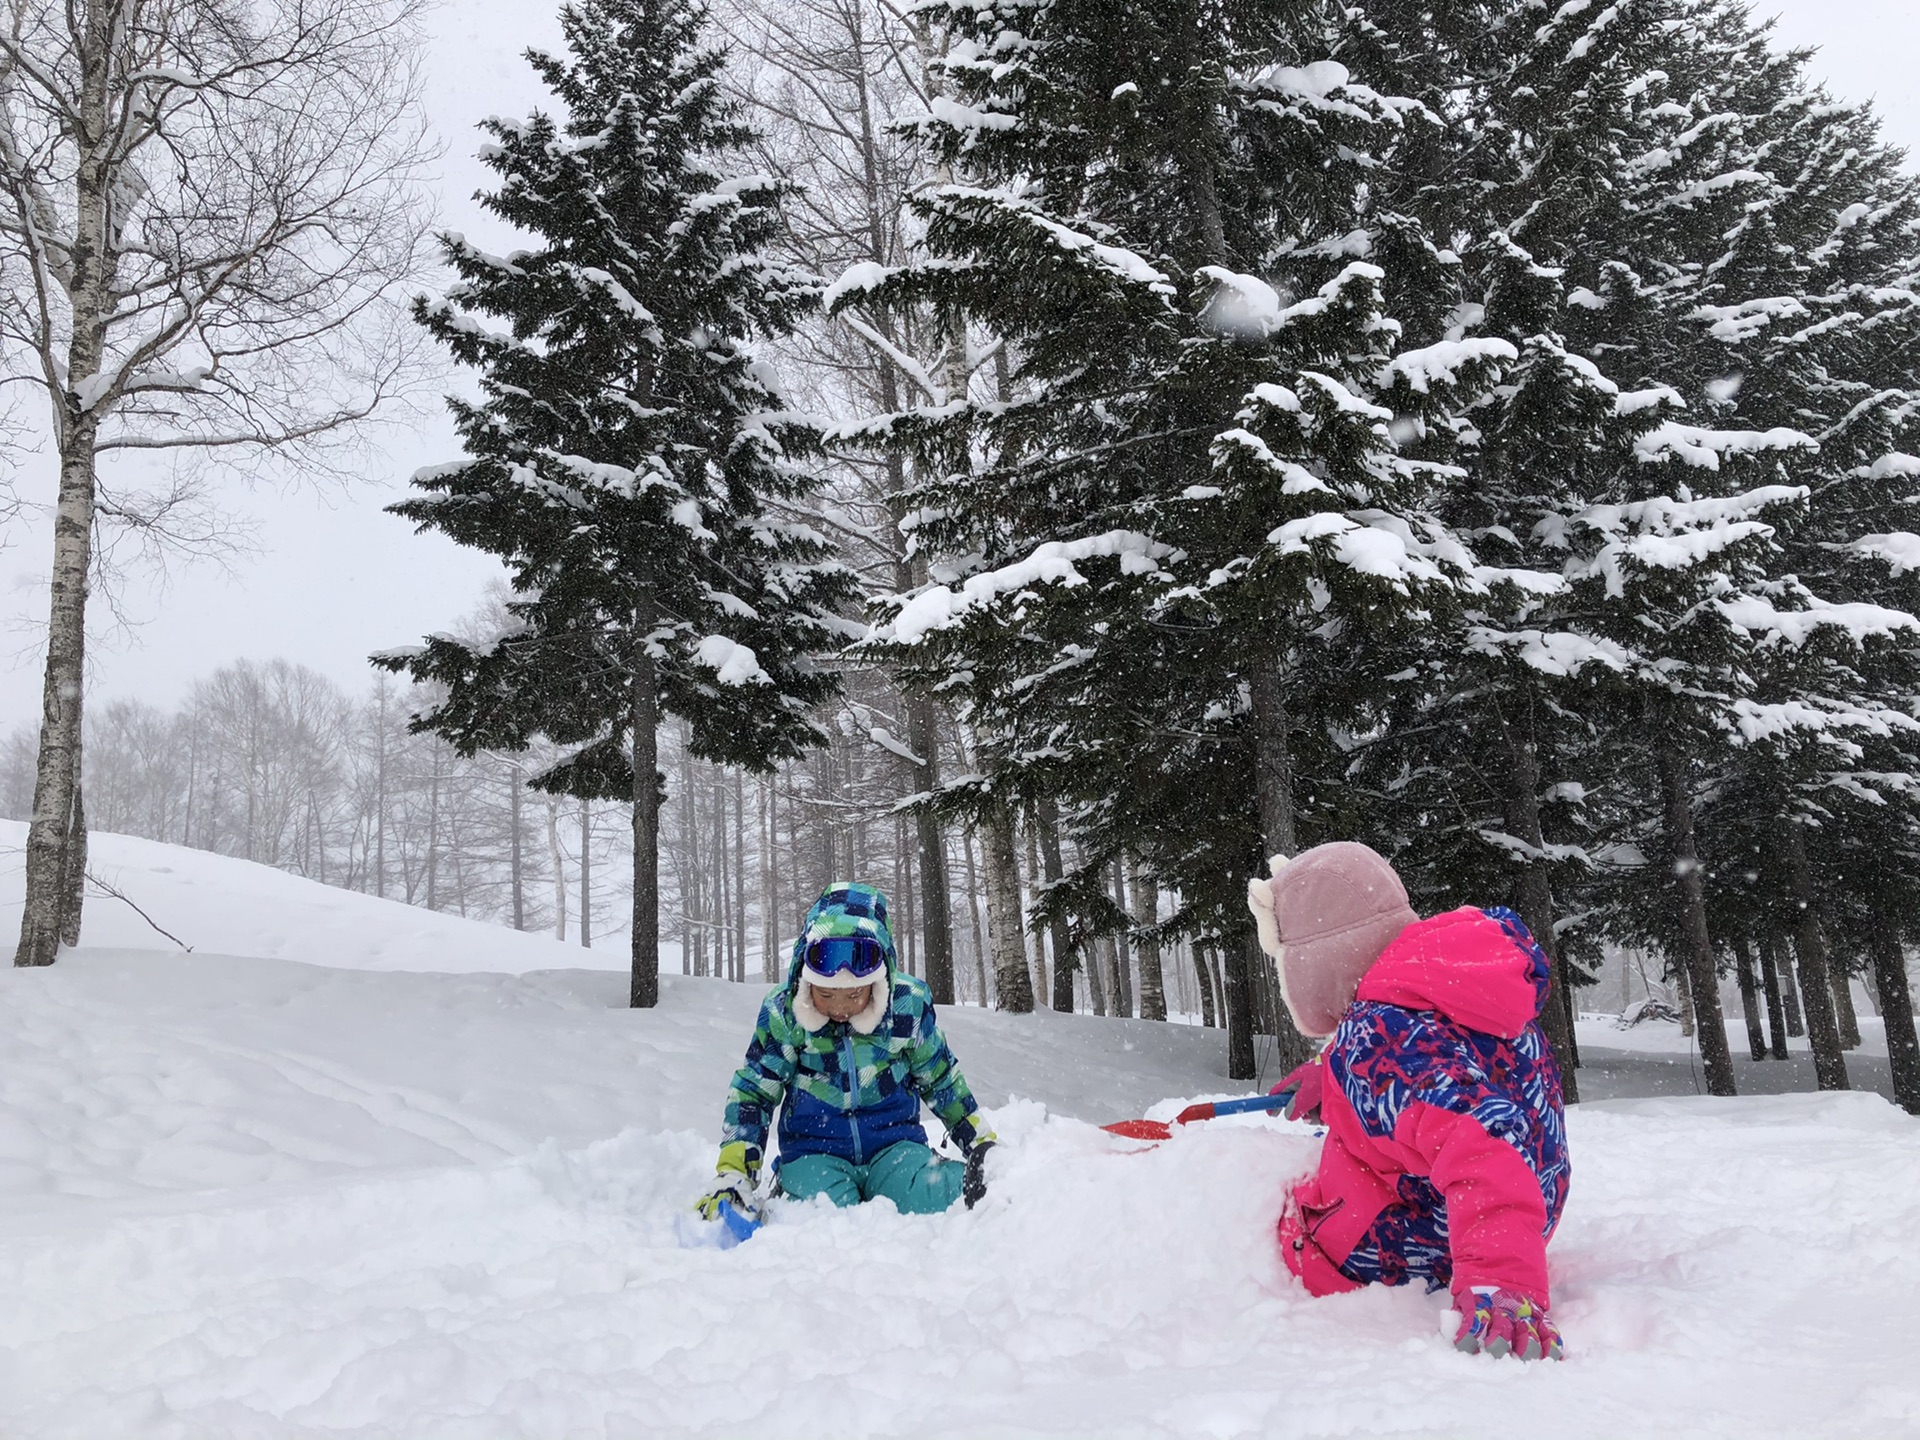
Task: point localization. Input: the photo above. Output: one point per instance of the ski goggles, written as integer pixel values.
(855, 954)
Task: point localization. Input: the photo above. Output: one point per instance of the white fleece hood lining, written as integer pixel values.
(813, 1019)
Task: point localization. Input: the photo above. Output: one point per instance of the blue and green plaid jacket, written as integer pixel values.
(839, 1092)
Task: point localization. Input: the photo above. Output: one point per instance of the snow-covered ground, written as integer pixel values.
(296, 1183)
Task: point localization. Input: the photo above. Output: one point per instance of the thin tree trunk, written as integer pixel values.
(57, 767)
(1144, 903)
(516, 850)
(1896, 1008)
(559, 868)
(1046, 823)
(73, 886)
(586, 874)
(718, 924)
(433, 832)
(1237, 952)
(1749, 996)
(1823, 1030)
(1534, 888)
(973, 915)
(1122, 952)
(1776, 1011)
(1096, 978)
(1203, 971)
(1843, 1011)
(1273, 786)
(380, 801)
(936, 903)
(769, 883)
(1702, 980)
(740, 877)
(644, 990)
(1032, 877)
(1774, 943)
(1013, 985)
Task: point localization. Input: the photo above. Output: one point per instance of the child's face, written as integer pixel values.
(841, 1004)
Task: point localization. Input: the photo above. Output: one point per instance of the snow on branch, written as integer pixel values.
(1552, 652)
(1054, 563)
(731, 662)
(1441, 364)
(1860, 621)
(1703, 449)
(1372, 549)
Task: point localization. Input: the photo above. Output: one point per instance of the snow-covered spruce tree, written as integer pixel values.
(1809, 316)
(1492, 736)
(1618, 159)
(628, 460)
(1177, 531)
(1736, 208)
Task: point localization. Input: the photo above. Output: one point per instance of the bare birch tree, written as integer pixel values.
(206, 210)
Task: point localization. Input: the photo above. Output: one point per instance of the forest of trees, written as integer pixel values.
(1049, 459)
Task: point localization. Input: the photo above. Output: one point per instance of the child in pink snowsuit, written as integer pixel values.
(1446, 1153)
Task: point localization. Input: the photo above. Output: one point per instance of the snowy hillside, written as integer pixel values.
(293, 1185)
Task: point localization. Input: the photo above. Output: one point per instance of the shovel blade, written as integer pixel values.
(1140, 1129)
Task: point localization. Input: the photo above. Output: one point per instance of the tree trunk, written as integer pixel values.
(1534, 889)
(1776, 1012)
(1823, 1031)
(57, 767)
(433, 833)
(516, 853)
(769, 884)
(586, 875)
(1096, 978)
(559, 869)
(1843, 1011)
(1046, 825)
(1033, 878)
(936, 895)
(1144, 903)
(1122, 952)
(1238, 967)
(1702, 980)
(55, 823)
(644, 990)
(380, 801)
(1774, 944)
(1273, 787)
(1013, 984)
(73, 884)
(1896, 1008)
(973, 916)
(1749, 997)
(1204, 973)
(740, 877)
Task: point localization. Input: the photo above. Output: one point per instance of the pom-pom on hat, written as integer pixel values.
(1326, 916)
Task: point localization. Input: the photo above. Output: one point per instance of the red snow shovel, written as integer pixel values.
(1205, 1110)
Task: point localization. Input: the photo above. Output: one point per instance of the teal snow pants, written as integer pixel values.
(907, 1174)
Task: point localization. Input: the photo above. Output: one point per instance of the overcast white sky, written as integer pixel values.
(334, 578)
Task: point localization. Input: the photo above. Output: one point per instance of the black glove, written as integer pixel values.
(973, 1188)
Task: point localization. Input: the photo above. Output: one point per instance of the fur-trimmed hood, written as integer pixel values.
(844, 910)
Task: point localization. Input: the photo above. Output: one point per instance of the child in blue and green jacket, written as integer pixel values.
(846, 1050)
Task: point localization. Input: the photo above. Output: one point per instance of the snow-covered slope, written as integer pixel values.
(248, 1196)
(215, 905)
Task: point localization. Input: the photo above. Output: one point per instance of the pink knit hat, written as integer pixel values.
(1326, 916)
